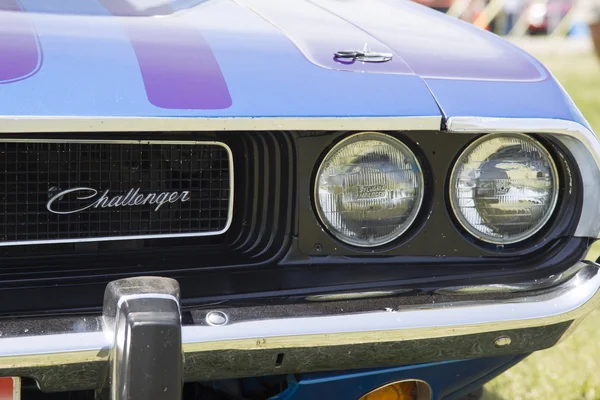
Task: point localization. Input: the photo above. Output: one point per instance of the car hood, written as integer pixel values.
(250, 58)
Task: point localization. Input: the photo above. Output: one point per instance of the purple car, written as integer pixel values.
(309, 199)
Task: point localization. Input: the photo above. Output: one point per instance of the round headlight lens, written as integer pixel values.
(368, 189)
(503, 189)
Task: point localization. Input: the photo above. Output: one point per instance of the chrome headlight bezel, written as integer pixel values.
(330, 152)
(467, 226)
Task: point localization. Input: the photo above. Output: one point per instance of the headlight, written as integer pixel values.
(503, 188)
(368, 189)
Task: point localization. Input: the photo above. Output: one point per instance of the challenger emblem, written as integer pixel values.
(130, 199)
(364, 55)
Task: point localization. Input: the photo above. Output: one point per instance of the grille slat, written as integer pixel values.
(125, 189)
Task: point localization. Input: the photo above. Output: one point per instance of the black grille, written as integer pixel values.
(123, 189)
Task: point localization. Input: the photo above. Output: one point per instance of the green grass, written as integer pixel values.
(570, 370)
(580, 76)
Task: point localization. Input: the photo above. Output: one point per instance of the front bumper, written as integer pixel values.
(92, 352)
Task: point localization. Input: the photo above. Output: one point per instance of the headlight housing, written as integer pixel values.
(503, 188)
(368, 189)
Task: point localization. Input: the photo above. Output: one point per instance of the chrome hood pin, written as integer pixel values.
(364, 55)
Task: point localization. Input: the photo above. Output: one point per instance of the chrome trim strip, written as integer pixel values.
(119, 141)
(571, 300)
(69, 347)
(520, 287)
(132, 237)
(32, 124)
(355, 295)
(581, 142)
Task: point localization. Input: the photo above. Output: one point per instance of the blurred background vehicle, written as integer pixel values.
(439, 5)
(545, 16)
(516, 18)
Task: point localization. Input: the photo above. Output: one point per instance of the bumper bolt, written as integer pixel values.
(502, 341)
(216, 318)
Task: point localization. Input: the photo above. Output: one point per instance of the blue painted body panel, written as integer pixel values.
(542, 99)
(448, 380)
(90, 69)
(276, 59)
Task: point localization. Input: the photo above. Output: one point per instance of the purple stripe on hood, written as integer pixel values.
(20, 52)
(178, 67)
(423, 41)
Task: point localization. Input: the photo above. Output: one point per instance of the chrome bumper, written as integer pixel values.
(71, 353)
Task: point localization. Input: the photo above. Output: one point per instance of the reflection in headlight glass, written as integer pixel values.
(504, 188)
(369, 189)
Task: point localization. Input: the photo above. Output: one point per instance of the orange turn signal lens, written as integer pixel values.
(403, 390)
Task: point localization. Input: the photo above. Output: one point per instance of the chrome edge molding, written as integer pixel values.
(68, 353)
(32, 124)
(578, 139)
(589, 262)
(520, 287)
(132, 237)
(571, 300)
